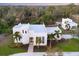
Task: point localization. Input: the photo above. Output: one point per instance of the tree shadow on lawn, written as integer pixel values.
(54, 43)
(20, 46)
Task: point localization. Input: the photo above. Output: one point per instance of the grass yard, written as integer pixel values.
(6, 49)
(69, 45)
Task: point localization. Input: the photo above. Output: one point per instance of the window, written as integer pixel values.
(25, 31)
(22, 31)
(38, 40)
(31, 39)
(42, 39)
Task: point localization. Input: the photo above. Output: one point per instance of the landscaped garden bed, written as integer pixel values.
(40, 49)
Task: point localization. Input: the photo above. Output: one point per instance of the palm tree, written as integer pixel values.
(68, 26)
(38, 41)
(50, 37)
(49, 49)
(57, 35)
(17, 37)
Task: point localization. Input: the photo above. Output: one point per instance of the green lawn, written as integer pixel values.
(69, 45)
(6, 49)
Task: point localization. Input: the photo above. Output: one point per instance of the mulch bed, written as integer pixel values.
(25, 46)
(39, 49)
(54, 42)
(44, 48)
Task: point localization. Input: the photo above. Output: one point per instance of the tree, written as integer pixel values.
(38, 41)
(57, 34)
(10, 20)
(17, 37)
(69, 10)
(50, 37)
(67, 25)
(3, 26)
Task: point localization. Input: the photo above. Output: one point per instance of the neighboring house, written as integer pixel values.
(68, 24)
(32, 32)
(51, 30)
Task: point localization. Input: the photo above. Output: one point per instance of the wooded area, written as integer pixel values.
(11, 15)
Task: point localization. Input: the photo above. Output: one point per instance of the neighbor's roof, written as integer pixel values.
(51, 30)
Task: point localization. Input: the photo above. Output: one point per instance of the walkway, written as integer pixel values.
(30, 48)
(44, 54)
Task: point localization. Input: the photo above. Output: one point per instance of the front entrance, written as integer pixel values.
(31, 40)
(30, 48)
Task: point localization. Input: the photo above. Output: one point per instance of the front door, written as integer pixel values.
(31, 40)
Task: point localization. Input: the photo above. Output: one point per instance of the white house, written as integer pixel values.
(68, 24)
(32, 32)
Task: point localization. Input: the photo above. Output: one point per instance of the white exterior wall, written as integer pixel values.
(25, 39)
(45, 39)
(34, 35)
(25, 36)
(63, 23)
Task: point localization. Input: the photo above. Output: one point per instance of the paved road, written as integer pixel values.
(44, 53)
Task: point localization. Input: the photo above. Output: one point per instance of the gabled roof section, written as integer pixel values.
(39, 28)
(19, 26)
